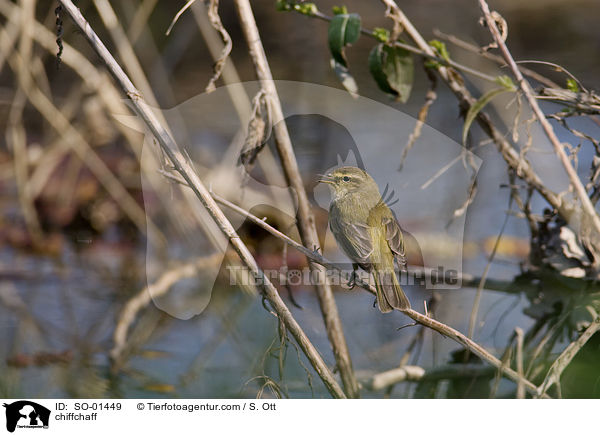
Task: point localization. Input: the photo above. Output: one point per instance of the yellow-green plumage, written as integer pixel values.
(366, 230)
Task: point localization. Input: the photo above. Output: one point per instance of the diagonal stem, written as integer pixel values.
(522, 168)
(586, 204)
(565, 358)
(308, 231)
(184, 168)
(423, 319)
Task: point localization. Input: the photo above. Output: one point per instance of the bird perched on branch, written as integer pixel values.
(366, 230)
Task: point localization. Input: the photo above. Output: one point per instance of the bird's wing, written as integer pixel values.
(382, 217)
(395, 239)
(355, 240)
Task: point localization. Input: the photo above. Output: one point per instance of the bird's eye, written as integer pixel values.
(346, 178)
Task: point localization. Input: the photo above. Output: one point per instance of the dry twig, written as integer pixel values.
(423, 319)
(519, 357)
(308, 231)
(184, 168)
(588, 207)
(383, 380)
(495, 58)
(565, 358)
(154, 290)
(215, 20)
(457, 86)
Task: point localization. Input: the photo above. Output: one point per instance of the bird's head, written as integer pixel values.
(349, 179)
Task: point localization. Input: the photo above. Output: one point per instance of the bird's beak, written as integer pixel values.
(328, 179)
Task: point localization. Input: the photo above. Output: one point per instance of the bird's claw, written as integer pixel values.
(352, 281)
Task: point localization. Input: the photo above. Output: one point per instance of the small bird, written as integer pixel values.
(366, 230)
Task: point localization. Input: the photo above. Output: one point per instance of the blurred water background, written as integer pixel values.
(59, 304)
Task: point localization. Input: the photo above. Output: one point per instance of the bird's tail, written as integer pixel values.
(389, 293)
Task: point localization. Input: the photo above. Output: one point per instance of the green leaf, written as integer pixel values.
(478, 106)
(343, 30)
(393, 70)
(572, 86)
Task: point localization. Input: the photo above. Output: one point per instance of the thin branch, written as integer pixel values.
(579, 102)
(553, 331)
(214, 42)
(424, 53)
(456, 84)
(313, 255)
(565, 358)
(475, 309)
(182, 166)
(306, 220)
(440, 172)
(473, 347)
(386, 379)
(557, 67)
(383, 380)
(237, 94)
(466, 100)
(519, 358)
(16, 135)
(493, 57)
(125, 50)
(423, 319)
(84, 151)
(154, 290)
(177, 15)
(587, 205)
(430, 98)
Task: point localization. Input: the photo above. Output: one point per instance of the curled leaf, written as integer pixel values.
(345, 78)
(258, 130)
(344, 30)
(215, 21)
(393, 69)
(478, 107)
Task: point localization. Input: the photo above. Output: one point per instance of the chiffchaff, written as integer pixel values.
(366, 230)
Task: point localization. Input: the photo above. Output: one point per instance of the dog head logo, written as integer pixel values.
(26, 414)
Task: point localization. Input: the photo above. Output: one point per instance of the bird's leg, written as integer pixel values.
(352, 281)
